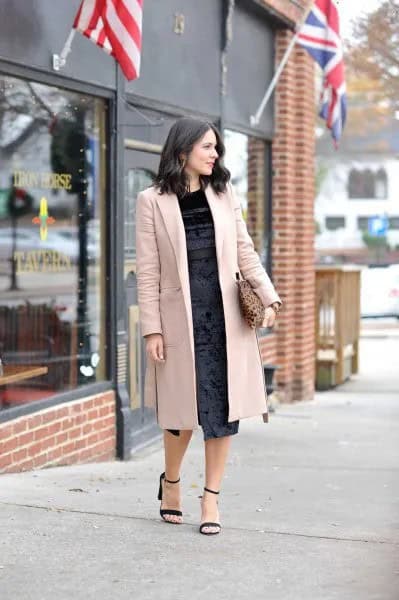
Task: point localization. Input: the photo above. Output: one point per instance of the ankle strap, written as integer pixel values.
(211, 491)
(169, 480)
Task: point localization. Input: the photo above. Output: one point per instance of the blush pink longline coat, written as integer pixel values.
(165, 307)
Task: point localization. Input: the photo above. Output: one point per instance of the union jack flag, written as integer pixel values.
(320, 36)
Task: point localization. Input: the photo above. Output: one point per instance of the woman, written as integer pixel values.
(203, 366)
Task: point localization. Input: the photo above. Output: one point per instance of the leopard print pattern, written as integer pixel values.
(252, 308)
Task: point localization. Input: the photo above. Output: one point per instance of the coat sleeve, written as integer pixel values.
(147, 267)
(248, 259)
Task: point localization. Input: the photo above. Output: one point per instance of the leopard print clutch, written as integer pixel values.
(251, 305)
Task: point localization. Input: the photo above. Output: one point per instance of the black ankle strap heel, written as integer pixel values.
(210, 523)
(167, 511)
(211, 491)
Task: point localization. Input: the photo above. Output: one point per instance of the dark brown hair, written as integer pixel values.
(184, 133)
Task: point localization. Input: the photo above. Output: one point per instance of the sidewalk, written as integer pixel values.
(309, 509)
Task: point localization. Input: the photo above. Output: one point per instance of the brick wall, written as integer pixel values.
(74, 432)
(291, 345)
(293, 222)
(287, 8)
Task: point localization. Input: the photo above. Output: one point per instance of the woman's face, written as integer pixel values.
(202, 157)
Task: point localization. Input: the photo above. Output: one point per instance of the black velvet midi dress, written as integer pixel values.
(208, 318)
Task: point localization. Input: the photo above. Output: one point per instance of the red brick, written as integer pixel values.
(34, 422)
(54, 428)
(75, 433)
(61, 413)
(68, 448)
(5, 460)
(87, 428)
(6, 431)
(25, 438)
(61, 438)
(34, 449)
(20, 426)
(92, 439)
(7, 446)
(40, 433)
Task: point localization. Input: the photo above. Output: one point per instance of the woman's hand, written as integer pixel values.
(270, 316)
(154, 347)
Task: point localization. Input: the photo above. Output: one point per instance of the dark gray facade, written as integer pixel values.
(181, 74)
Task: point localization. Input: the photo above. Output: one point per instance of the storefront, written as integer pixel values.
(76, 146)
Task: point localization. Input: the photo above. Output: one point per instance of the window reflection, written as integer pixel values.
(137, 179)
(52, 183)
(236, 160)
(246, 159)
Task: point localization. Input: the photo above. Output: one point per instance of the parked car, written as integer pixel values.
(380, 292)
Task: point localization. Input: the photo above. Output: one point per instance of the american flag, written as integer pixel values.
(115, 26)
(321, 38)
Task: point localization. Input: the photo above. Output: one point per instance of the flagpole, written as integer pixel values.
(59, 60)
(256, 118)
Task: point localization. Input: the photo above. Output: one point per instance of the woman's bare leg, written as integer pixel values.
(175, 448)
(216, 452)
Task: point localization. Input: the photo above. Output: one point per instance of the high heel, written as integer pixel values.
(210, 523)
(168, 511)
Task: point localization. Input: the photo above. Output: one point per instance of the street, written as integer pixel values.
(309, 507)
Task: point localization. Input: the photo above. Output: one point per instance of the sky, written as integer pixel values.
(350, 9)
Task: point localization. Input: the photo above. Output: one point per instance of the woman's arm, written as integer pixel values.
(248, 259)
(147, 267)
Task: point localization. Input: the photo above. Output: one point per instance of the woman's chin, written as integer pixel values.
(207, 171)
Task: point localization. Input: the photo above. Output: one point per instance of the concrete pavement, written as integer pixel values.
(309, 506)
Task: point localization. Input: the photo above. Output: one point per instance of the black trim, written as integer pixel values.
(80, 393)
(54, 79)
(111, 281)
(239, 127)
(166, 109)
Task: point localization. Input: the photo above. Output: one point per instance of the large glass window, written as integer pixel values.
(52, 243)
(248, 160)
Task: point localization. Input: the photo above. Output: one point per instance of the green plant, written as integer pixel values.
(375, 241)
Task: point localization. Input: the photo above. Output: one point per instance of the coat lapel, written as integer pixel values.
(169, 206)
(170, 210)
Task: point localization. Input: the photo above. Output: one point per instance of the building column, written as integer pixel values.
(293, 221)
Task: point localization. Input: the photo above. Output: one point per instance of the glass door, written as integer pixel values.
(140, 170)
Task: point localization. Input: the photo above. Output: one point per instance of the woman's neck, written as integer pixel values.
(194, 182)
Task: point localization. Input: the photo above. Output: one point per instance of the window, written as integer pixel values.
(363, 223)
(381, 184)
(393, 222)
(248, 160)
(52, 251)
(366, 184)
(333, 223)
(136, 181)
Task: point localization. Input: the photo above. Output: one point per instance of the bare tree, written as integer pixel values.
(373, 53)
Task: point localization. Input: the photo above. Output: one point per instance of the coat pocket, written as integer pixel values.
(172, 311)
